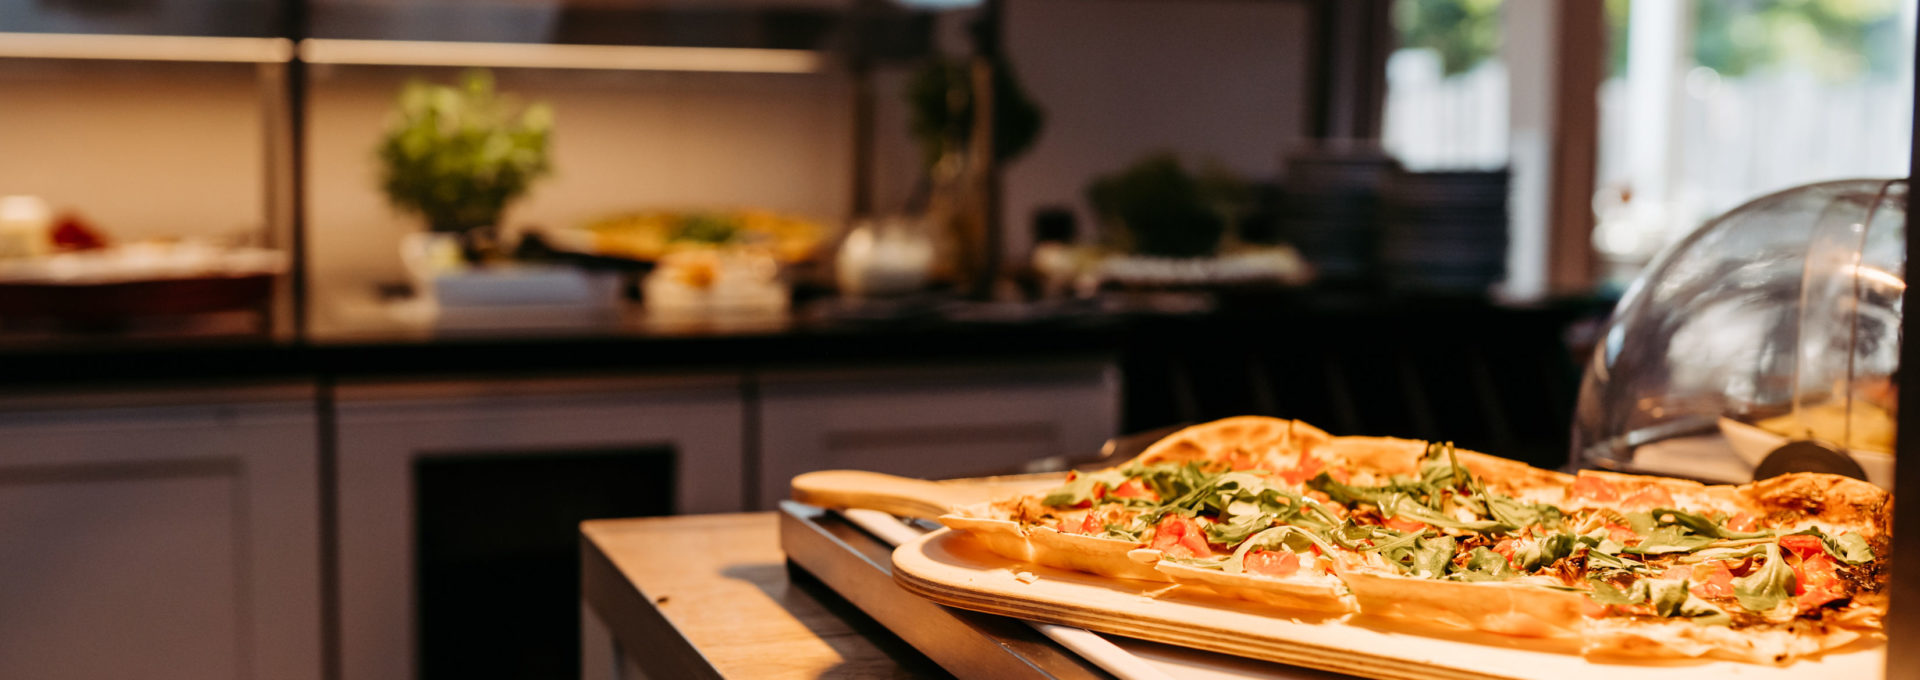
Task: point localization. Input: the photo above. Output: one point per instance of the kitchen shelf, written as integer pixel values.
(145, 47)
(562, 56)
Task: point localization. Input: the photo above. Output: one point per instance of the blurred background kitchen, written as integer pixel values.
(322, 322)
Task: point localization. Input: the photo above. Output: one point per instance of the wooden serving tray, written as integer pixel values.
(952, 569)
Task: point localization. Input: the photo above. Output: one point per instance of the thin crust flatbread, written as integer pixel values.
(1517, 609)
(1314, 593)
(1244, 442)
(1528, 606)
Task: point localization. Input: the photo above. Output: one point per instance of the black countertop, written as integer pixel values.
(1415, 367)
(395, 342)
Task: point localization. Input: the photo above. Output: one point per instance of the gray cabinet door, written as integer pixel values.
(160, 535)
(387, 428)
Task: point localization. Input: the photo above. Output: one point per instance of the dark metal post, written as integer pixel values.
(1903, 615)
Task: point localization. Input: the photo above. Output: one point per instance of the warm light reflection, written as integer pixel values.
(1881, 277)
(537, 55)
(144, 47)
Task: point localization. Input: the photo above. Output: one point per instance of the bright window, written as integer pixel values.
(1710, 104)
(1446, 105)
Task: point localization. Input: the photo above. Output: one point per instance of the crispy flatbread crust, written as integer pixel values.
(1517, 609)
(1511, 608)
(1318, 594)
(1828, 498)
(1385, 456)
(1651, 639)
(1255, 441)
(1050, 547)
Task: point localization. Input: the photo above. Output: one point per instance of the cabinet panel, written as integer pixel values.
(932, 422)
(390, 432)
(135, 577)
(161, 541)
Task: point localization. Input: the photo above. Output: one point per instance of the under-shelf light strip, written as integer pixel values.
(145, 47)
(542, 55)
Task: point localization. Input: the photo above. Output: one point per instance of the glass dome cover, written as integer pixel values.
(1777, 322)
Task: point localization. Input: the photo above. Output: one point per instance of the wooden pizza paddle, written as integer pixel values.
(909, 497)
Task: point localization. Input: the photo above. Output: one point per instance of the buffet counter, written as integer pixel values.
(302, 475)
(711, 596)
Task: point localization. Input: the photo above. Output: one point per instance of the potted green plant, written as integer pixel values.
(457, 155)
(1162, 210)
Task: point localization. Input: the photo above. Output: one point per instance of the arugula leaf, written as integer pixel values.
(1124, 533)
(1703, 612)
(1080, 489)
(1169, 481)
(1665, 596)
(1208, 562)
(1668, 598)
(1347, 495)
(1430, 557)
(1389, 546)
(1440, 468)
(1608, 546)
(1851, 548)
(1601, 560)
(1404, 507)
(1485, 565)
(1676, 599)
(1549, 549)
(1737, 553)
(1239, 529)
(1767, 586)
(1605, 593)
(1318, 517)
(1669, 539)
(1518, 513)
(1701, 524)
(1641, 523)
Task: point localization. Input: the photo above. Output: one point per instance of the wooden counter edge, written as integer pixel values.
(633, 620)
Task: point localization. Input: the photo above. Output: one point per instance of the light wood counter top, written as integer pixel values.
(711, 596)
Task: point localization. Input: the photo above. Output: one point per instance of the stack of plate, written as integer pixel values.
(1443, 232)
(1329, 209)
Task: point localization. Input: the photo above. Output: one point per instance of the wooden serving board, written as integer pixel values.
(952, 569)
(908, 497)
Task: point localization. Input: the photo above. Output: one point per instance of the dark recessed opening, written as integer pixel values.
(497, 559)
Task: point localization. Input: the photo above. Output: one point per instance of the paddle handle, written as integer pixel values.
(903, 496)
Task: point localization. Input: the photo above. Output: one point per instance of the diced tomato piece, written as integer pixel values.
(1816, 582)
(1711, 579)
(1092, 524)
(1506, 549)
(1803, 545)
(1272, 562)
(1308, 468)
(1593, 487)
(1178, 536)
(1649, 497)
(1621, 534)
(1743, 521)
(1134, 488)
(1398, 523)
(1340, 475)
